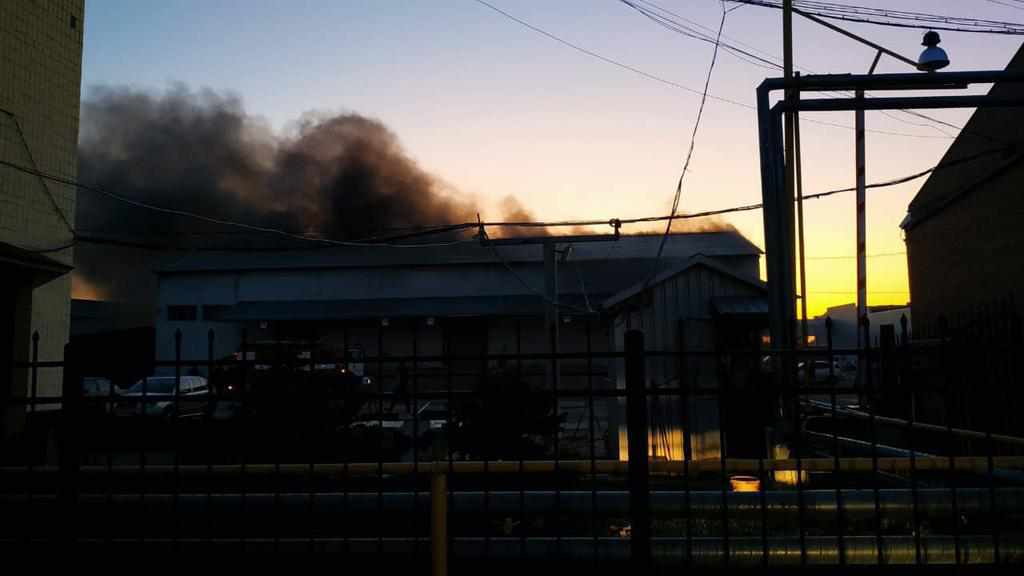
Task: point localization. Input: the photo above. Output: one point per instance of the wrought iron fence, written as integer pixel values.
(608, 454)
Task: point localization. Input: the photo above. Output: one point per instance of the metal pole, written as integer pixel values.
(71, 392)
(636, 425)
(439, 524)
(778, 227)
(787, 38)
(862, 40)
(551, 304)
(790, 121)
(550, 287)
(798, 168)
(862, 264)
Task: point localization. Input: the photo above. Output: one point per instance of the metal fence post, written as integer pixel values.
(438, 521)
(889, 396)
(636, 425)
(71, 392)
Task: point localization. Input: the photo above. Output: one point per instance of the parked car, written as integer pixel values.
(821, 371)
(288, 383)
(155, 396)
(96, 395)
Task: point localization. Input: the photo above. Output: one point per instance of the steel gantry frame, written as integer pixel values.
(779, 199)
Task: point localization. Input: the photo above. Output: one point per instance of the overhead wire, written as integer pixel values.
(896, 18)
(669, 19)
(1007, 4)
(853, 256)
(202, 217)
(693, 140)
(420, 231)
(654, 13)
(662, 80)
(35, 166)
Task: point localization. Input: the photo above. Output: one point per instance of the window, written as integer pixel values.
(181, 313)
(73, 22)
(215, 312)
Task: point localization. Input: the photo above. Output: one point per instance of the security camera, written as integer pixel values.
(933, 58)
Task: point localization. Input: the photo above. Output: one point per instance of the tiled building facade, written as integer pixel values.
(40, 83)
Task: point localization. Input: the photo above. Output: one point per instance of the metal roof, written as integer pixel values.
(38, 267)
(520, 305)
(678, 246)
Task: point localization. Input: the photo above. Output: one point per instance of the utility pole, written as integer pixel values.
(790, 141)
(787, 38)
(800, 227)
(862, 263)
(862, 254)
(794, 176)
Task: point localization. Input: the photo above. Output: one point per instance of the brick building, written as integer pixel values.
(40, 83)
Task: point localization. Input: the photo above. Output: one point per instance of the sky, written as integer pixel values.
(493, 109)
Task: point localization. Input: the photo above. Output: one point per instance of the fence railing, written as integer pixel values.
(736, 455)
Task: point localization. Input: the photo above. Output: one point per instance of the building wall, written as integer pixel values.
(968, 257)
(964, 235)
(230, 287)
(844, 324)
(683, 301)
(40, 79)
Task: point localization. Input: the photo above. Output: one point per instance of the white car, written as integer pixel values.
(155, 396)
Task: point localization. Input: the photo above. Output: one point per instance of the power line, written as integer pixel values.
(751, 207)
(201, 217)
(654, 13)
(606, 59)
(853, 256)
(896, 18)
(1007, 4)
(915, 176)
(671, 20)
(455, 227)
(693, 140)
(35, 166)
(732, 40)
(672, 83)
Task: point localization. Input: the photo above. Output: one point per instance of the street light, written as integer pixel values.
(933, 58)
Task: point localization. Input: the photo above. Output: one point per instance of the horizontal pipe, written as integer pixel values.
(923, 426)
(610, 502)
(902, 103)
(394, 360)
(900, 81)
(675, 467)
(974, 549)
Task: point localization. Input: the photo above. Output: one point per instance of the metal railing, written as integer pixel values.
(732, 455)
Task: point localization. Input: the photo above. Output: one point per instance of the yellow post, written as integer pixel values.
(439, 524)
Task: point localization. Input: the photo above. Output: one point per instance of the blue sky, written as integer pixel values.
(494, 109)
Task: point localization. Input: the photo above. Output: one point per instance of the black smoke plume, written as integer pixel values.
(344, 176)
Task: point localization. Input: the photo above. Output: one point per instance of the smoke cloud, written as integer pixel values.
(341, 176)
(344, 176)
